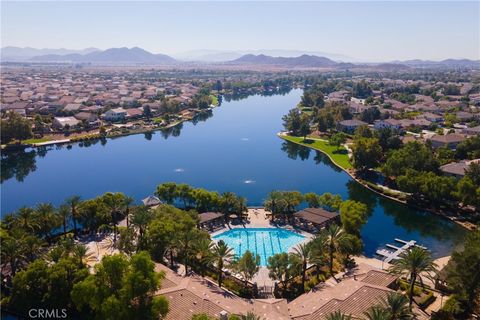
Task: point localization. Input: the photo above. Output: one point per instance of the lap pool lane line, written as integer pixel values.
(264, 248)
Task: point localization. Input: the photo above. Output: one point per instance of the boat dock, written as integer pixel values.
(395, 251)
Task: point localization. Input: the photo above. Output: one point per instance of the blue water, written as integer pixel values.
(235, 150)
(262, 241)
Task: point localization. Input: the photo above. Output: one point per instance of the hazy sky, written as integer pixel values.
(371, 31)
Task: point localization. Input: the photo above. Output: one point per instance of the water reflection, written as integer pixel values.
(295, 151)
(19, 164)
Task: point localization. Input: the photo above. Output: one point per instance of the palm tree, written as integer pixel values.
(393, 307)
(12, 253)
(377, 313)
(302, 252)
(185, 245)
(337, 315)
(114, 202)
(249, 316)
(221, 253)
(74, 203)
(317, 252)
(82, 255)
(64, 213)
(274, 203)
(334, 235)
(32, 246)
(127, 202)
(48, 219)
(412, 264)
(396, 306)
(203, 253)
(140, 220)
(27, 219)
(228, 202)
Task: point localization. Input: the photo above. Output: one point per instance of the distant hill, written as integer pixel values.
(110, 56)
(21, 54)
(228, 55)
(448, 63)
(301, 61)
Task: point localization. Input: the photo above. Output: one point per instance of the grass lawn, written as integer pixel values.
(40, 140)
(340, 156)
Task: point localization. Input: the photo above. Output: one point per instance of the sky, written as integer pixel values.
(367, 31)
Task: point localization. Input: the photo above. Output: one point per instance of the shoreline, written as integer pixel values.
(466, 225)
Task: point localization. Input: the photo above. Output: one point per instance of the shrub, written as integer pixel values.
(425, 300)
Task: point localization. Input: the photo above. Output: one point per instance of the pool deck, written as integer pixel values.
(258, 219)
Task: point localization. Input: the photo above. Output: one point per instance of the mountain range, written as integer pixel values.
(26, 53)
(229, 55)
(139, 56)
(301, 61)
(110, 56)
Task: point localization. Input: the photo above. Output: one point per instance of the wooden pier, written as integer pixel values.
(390, 255)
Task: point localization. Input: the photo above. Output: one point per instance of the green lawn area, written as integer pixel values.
(340, 157)
(40, 140)
(157, 120)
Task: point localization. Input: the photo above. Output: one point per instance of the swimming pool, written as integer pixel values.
(262, 241)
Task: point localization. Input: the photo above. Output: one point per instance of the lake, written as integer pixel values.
(236, 149)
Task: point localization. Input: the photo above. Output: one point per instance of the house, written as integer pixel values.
(457, 169)
(474, 131)
(151, 201)
(87, 116)
(449, 140)
(72, 107)
(62, 122)
(465, 116)
(134, 112)
(116, 114)
(388, 123)
(349, 126)
(432, 117)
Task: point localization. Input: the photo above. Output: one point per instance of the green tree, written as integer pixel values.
(74, 202)
(302, 252)
(337, 139)
(48, 219)
(122, 288)
(184, 194)
(247, 265)
(292, 121)
(167, 192)
(127, 203)
(64, 213)
(413, 263)
(334, 235)
(353, 215)
(114, 203)
(279, 266)
(304, 129)
(222, 255)
(463, 275)
(366, 153)
(414, 155)
(274, 203)
(312, 199)
(330, 201)
(15, 127)
(140, 221)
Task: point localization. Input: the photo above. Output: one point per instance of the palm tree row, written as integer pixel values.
(44, 220)
(321, 251)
